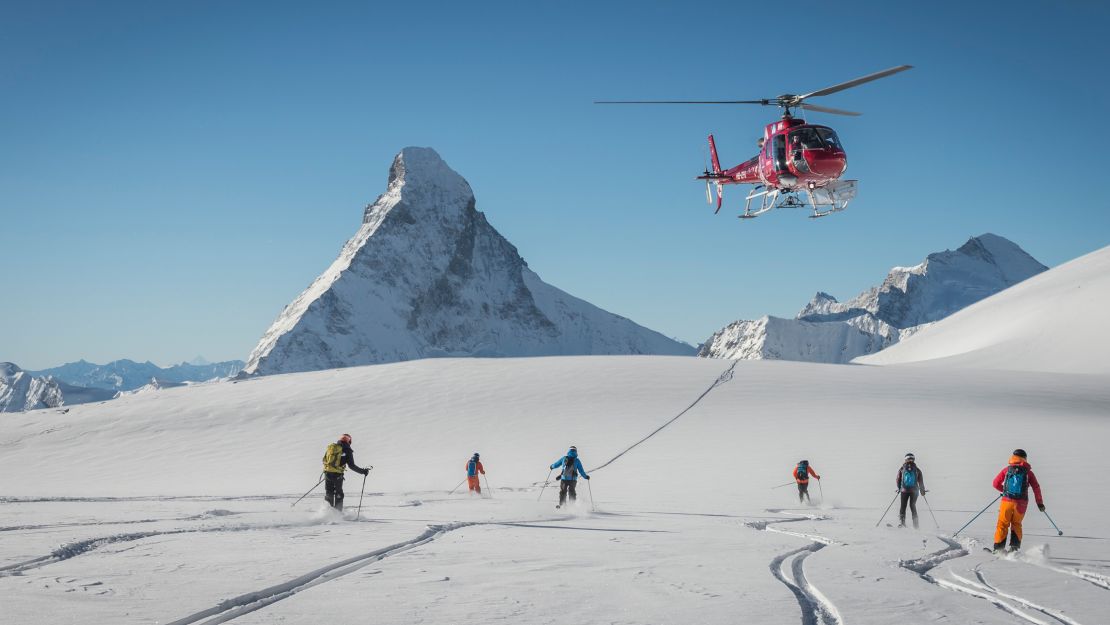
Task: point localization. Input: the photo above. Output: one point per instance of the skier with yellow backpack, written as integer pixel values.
(337, 457)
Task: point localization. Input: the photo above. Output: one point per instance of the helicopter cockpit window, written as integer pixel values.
(830, 138)
(805, 139)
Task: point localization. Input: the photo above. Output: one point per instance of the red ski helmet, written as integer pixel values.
(346, 438)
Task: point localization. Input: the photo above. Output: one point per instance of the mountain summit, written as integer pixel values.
(426, 275)
(908, 300)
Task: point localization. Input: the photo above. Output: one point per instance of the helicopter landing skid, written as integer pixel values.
(824, 201)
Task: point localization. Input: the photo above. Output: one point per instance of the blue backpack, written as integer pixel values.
(1016, 483)
(909, 477)
(802, 471)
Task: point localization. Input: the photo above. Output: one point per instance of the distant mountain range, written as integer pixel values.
(908, 300)
(82, 382)
(128, 375)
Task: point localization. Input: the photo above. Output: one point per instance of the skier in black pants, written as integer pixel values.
(337, 457)
(911, 483)
(568, 478)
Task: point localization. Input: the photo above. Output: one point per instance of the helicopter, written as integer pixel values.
(799, 164)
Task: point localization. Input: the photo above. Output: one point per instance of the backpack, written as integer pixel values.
(333, 458)
(471, 468)
(909, 477)
(1016, 482)
(570, 472)
(802, 472)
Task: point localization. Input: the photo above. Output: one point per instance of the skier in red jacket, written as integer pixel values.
(1014, 482)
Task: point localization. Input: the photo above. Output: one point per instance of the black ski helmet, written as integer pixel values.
(1020, 453)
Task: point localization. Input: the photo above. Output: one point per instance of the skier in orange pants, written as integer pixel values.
(1014, 482)
(473, 468)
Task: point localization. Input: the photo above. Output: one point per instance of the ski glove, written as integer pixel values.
(586, 476)
(1040, 507)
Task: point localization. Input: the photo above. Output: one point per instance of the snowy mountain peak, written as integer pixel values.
(427, 275)
(909, 299)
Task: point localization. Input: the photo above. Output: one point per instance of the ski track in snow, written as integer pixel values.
(74, 549)
(982, 584)
(196, 517)
(244, 604)
(982, 589)
(816, 607)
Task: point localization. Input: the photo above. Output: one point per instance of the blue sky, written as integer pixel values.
(171, 175)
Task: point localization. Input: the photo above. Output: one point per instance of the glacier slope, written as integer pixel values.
(686, 523)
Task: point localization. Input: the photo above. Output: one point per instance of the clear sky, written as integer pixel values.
(173, 174)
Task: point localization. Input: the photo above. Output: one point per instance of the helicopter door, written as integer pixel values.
(778, 152)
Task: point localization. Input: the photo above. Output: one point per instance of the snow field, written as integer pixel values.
(688, 525)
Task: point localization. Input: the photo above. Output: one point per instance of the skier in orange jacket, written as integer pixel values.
(1014, 482)
(801, 475)
(473, 468)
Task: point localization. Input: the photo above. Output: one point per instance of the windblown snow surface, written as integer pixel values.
(175, 506)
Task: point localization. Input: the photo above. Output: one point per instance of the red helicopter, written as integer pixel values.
(795, 157)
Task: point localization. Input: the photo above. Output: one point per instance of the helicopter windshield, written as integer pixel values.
(805, 139)
(828, 135)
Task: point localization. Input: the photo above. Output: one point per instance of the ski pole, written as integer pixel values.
(359, 512)
(488, 489)
(977, 515)
(887, 509)
(309, 491)
(593, 506)
(781, 485)
(821, 489)
(931, 509)
(1058, 532)
(545, 484)
(452, 491)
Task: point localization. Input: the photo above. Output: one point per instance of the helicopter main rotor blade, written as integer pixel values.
(825, 109)
(854, 83)
(763, 102)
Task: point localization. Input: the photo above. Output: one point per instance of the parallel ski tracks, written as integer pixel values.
(244, 604)
(982, 589)
(815, 606)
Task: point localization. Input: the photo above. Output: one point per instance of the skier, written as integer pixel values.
(1014, 482)
(568, 478)
(337, 457)
(801, 475)
(911, 483)
(473, 468)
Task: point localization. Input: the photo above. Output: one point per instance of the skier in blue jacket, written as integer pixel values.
(568, 478)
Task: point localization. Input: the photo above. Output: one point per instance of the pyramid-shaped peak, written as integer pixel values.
(424, 166)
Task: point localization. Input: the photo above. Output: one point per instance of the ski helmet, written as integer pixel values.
(909, 457)
(346, 438)
(572, 452)
(475, 455)
(1020, 453)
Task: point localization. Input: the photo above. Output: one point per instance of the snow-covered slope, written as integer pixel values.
(20, 390)
(127, 375)
(180, 509)
(909, 299)
(1055, 321)
(427, 275)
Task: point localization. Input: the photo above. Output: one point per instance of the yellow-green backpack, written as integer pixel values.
(333, 459)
